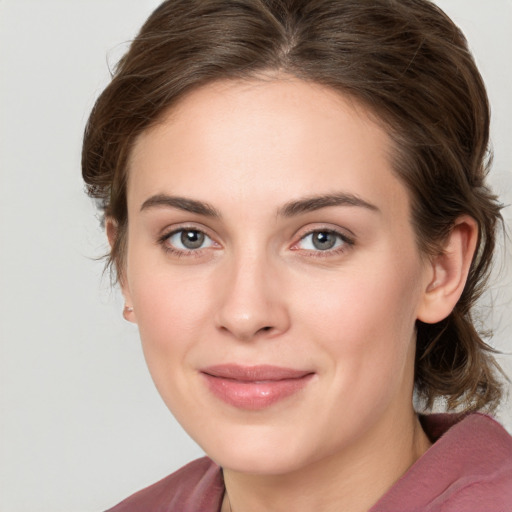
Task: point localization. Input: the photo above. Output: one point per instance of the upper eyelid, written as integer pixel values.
(344, 233)
(343, 237)
(173, 229)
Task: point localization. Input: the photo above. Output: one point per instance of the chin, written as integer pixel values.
(267, 463)
(255, 451)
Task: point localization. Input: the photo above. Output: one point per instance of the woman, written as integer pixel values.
(295, 200)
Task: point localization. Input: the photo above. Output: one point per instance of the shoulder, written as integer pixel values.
(467, 469)
(196, 486)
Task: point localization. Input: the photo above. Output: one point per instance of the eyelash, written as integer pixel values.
(347, 243)
(164, 239)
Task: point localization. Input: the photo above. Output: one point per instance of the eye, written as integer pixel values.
(323, 240)
(188, 240)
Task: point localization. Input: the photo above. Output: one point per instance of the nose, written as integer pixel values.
(252, 300)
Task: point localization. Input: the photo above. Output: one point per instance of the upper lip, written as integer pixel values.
(254, 373)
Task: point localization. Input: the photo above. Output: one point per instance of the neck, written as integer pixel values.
(352, 480)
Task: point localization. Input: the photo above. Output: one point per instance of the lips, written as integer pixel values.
(254, 387)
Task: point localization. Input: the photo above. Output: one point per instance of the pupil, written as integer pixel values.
(324, 240)
(192, 239)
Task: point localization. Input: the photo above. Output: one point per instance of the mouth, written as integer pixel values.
(254, 387)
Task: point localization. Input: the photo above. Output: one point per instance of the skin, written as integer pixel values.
(258, 291)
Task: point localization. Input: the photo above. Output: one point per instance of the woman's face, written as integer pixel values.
(274, 274)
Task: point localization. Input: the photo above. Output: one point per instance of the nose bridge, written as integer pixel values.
(250, 303)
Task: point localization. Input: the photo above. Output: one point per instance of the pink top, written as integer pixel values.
(467, 469)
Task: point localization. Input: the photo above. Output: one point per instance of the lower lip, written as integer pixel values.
(255, 395)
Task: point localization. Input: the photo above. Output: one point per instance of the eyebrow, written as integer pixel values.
(310, 204)
(180, 203)
(290, 209)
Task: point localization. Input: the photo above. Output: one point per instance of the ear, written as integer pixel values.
(448, 271)
(128, 311)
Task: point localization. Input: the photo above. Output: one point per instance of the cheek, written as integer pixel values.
(170, 303)
(171, 314)
(365, 319)
(362, 301)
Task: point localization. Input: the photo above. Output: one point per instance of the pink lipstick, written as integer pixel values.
(254, 387)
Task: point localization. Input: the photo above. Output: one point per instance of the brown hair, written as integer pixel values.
(403, 59)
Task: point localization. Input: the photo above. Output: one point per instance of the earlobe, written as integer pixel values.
(448, 272)
(128, 314)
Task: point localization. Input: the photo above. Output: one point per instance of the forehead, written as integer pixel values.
(264, 142)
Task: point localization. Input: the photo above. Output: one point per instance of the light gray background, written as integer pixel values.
(81, 425)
